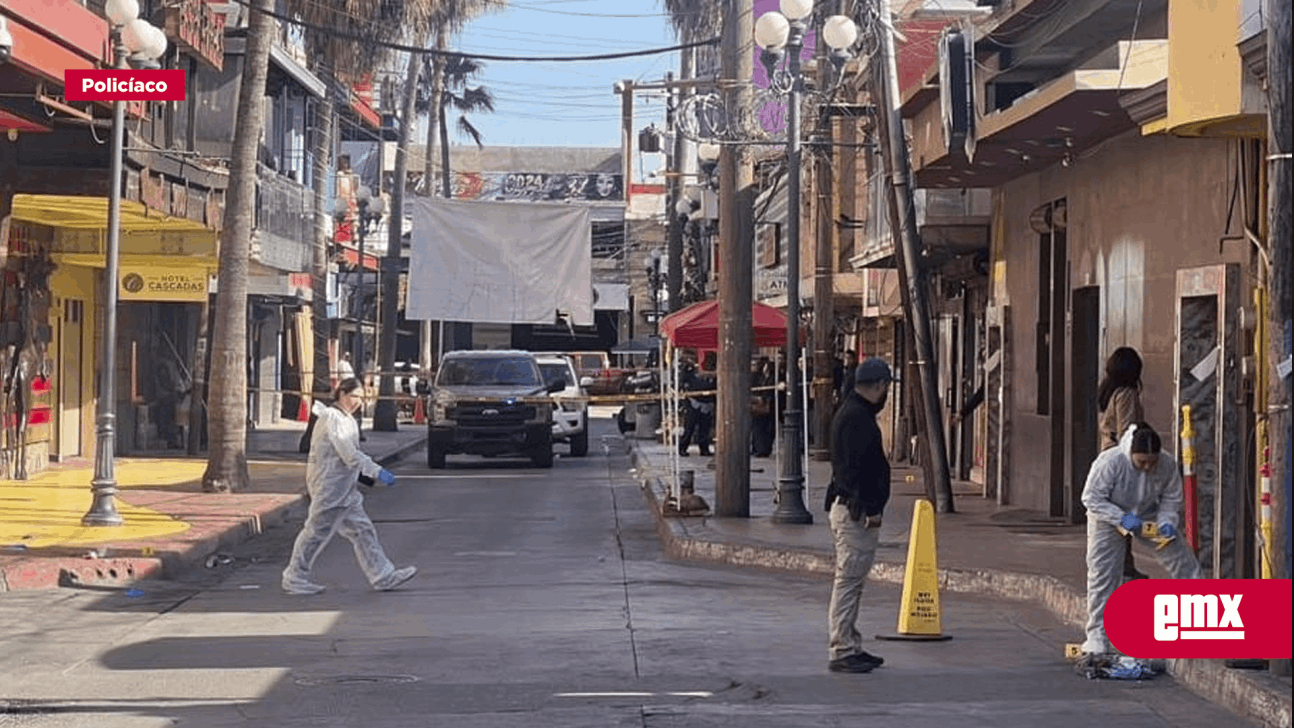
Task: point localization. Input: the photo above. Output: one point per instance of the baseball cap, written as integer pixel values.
(873, 370)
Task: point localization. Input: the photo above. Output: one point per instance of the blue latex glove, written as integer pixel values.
(1167, 530)
(1131, 522)
(387, 477)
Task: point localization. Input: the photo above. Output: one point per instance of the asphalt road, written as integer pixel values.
(543, 600)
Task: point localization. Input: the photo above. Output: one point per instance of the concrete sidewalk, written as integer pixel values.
(984, 549)
(171, 525)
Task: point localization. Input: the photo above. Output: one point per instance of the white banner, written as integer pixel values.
(500, 262)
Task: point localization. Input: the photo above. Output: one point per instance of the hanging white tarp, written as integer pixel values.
(500, 262)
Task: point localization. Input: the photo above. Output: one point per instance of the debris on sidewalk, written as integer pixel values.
(215, 560)
(1118, 667)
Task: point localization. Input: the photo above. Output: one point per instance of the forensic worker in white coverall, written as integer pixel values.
(336, 505)
(1128, 485)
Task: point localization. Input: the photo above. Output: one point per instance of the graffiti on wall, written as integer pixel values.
(532, 186)
(538, 186)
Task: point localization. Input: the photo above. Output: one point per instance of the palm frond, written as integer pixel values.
(694, 19)
(475, 100)
(465, 128)
(369, 21)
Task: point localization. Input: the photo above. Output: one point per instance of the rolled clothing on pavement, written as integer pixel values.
(1115, 488)
(336, 504)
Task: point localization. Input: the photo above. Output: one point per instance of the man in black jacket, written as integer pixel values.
(860, 488)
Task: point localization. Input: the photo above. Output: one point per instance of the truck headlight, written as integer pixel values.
(441, 403)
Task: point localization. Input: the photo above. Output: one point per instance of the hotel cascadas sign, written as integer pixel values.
(163, 283)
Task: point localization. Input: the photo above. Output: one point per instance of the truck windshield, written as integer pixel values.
(557, 371)
(501, 372)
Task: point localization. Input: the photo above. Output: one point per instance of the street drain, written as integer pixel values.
(317, 680)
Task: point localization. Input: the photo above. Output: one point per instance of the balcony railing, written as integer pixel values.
(284, 221)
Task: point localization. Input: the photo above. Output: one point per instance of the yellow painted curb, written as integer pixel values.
(46, 510)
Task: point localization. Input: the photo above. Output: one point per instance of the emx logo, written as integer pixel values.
(1201, 618)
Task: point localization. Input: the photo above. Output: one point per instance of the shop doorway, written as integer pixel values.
(71, 395)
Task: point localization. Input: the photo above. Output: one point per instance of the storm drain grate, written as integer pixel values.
(318, 680)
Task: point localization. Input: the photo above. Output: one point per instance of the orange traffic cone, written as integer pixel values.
(419, 415)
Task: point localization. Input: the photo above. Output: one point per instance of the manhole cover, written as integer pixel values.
(315, 680)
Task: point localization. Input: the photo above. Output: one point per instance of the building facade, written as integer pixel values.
(1121, 144)
(53, 201)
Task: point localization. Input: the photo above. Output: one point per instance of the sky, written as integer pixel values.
(567, 104)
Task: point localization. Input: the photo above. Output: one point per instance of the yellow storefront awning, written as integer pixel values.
(78, 226)
(70, 211)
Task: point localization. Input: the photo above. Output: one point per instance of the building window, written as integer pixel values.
(608, 239)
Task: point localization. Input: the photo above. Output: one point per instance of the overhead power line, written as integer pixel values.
(361, 38)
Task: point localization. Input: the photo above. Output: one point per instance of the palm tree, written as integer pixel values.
(693, 19)
(227, 410)
(459, 71)
(451, 84)
(370, 20)
(451, 18)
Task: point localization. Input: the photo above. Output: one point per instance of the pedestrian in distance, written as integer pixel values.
(336, 504)
(1129, 485)
(856, 498)
(1119, 396)
(762, 427)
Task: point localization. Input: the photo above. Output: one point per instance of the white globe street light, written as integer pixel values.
(156, 42)
(772, 31)
(120, 12)
(132, 39)
(796, 9)
(839, 32)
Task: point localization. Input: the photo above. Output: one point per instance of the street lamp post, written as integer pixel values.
(371, 209)
(653, 281)
(781, 36)
(135, 43)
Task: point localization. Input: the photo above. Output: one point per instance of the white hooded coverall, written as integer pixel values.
(336, 505)
(1114, 488)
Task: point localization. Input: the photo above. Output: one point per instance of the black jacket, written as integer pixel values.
(860, 472)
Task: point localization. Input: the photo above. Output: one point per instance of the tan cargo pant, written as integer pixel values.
(855, 552)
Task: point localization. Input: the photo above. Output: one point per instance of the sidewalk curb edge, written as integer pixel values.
(1234, 690)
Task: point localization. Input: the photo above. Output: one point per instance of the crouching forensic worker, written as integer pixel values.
(336, 505)
(1128, 486)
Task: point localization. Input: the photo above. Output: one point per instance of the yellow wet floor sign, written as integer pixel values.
(919, 616)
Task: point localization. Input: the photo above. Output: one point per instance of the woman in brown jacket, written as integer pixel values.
(1119, 395)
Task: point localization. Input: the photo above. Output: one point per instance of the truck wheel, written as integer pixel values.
(435, 456)
(580, 442)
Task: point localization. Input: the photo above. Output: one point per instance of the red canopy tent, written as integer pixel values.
(697, 326)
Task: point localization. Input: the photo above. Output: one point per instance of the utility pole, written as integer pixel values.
(1280, 226)
(384, 413)
(677, 183)
(907, 247)
(824, 310)
(736, 267)
(626, 90)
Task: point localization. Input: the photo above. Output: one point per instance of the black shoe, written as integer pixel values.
(876, 659)
(852, 663)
